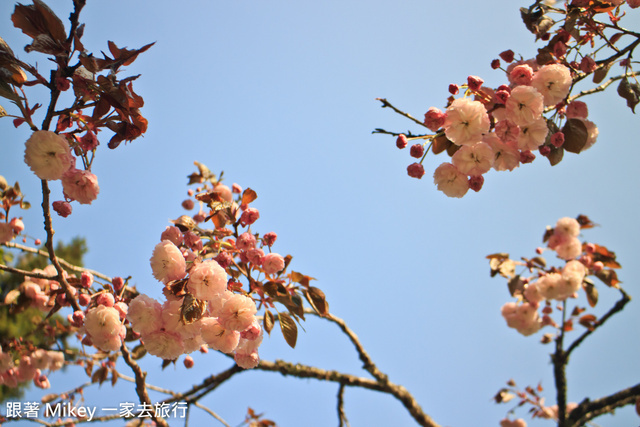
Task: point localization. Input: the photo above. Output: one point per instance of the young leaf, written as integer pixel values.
(630, 92)
(317, 300)
(268, 321)
(289, 329)
(575, 135)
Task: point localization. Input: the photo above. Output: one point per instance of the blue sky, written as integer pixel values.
(281, 96)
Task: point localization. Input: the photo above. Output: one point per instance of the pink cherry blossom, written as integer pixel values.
(513, 423)
(144, 314)
(532, 135)
(553, 81)
(573, 273)
(103, 325)
(80, 185)
(633, 3)
(521, 75)
(164, 344)
(272, 263)
(207, 280)
(167, 262)
(524, 318)
(48, 155)
(217, 337)
(506, 156)
(247, 361)
(238, 313)
(224, 192)
(473, 159)
(525, 105)
(466, 121)
(450, 180)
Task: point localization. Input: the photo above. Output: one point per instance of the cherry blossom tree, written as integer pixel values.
(226, 283)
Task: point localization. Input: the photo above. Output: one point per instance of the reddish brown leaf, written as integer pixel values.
(601, 73)
(268, 321)
(585, 222)
(588, 321)
(43, 26)
(609, 277)
(440, 144)
(575, 135)
(592, 293)
(317, 300)
(289, 329)
(248, 196)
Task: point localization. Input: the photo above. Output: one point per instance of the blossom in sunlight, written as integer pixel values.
(524, 318)
(553, 81)
(80, 185)
(164, 344)
(466, 121)
(103, 325)
(144, 314)
(513, 423)
(217, 337)
(506, 156)
(238, 313)
(524, 106)
(473, 159)
(533, 135)
(207, 280)
(167, 262)
(450, 180)
(272, 263)
(48, 155)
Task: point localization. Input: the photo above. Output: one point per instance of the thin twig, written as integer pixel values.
(342, 416)
(386, 104)
(62, 262)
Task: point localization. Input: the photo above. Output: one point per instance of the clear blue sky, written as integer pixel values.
(281, 96)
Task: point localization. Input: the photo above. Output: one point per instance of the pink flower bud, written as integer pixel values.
(527, 156)
(105, 299)
(77, 318)
(246, 241)
(86, 279)
(557, 139)
(474, 83)
(62, 208)
(84, 299)
(89, 141)
(416, 150)
(118, 283)
(502, 96)
(453, 89)
(37, 242)
(495, 64)
(188, 204)
(507, 55)
(249, 216)
(62, 84)
(188, 362)
(559, 49)
(598, 266)
(475, 182)
(434, 119)
(235, 188)
(224, 259)
(545, 150)
(401, 141)
(415, 170)
(591, 248)
(269, 238)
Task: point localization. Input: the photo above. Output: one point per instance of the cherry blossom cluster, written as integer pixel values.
(49, 157)
(29, 366)
(532, 113)
(555, 283)
(203, 270)
(499, 128)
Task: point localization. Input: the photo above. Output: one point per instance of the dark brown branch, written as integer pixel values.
(588, 410)
(619, 306)
(140, 376)
(71, 299)
(560, 359)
